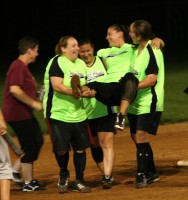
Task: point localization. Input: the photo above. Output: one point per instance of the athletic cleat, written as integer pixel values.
(80, 186)
(152, 177)
(182, 163)
(34, 185)
(141, 181)
(76, 87)
(120, 121)
(111, 178)
(107, 182)
(17, 179)
(63, 181)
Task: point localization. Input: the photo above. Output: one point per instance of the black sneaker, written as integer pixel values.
(80, 186)
(120, 121)
(34, 185)
(63, 181)
(152, 177)
(17, 179)
(107, 182)
(141, 181)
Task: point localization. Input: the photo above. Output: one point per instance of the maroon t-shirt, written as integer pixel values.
(13, 109)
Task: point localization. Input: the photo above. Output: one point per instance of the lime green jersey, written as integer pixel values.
(94, 108)
(118, 61)
(150, 99)
(57, 105)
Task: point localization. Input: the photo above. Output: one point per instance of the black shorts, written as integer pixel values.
(30, 138)
(107, 93)
(102, 124)
(112, 93)
(146, 122)
(66, 134)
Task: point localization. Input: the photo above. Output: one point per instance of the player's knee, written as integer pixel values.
(80, 151)
(61, 153)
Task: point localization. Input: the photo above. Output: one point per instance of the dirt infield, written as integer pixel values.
(169, 146)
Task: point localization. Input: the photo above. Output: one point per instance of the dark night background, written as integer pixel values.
(49, 20)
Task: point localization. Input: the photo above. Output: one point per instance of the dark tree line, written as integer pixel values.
(50, 20)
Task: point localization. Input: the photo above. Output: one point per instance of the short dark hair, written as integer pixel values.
(25, 43)
(85, 41)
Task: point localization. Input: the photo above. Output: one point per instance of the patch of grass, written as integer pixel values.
(176, 80)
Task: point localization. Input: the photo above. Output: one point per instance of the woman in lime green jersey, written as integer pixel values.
(66, 115)
(145, 112)
(101, 118)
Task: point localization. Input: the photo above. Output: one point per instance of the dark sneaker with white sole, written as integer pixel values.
(80, 186)
(17, 179)
(152, 177)
(120, 121)
(140, 181)
(63, 181)
(34, 185)
(107, 182)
